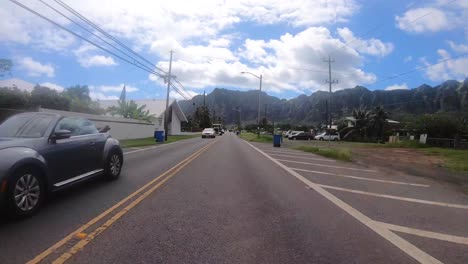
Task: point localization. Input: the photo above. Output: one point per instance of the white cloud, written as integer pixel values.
(87, 57)
(20, 26)
(177, 96)
(440, 16)
(458, 47)
(101, 96)
(117, 88)
(408, 58)
(53, 86)
(144, 22)
(277, 58)
(455, 69)
(35, 68)
(97, 60)
(402, 86)
(370, 46)
(436, 21)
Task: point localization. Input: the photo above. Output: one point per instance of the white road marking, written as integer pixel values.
(322, 165)
(289, 156)
(460, 206)
(285, 151)
(393, 238)
(363, 178)
(424, 233)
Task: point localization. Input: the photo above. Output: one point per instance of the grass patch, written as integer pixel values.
(254, 138)
(403, 144)
(338, 154)
(140, 142)
(454, 159)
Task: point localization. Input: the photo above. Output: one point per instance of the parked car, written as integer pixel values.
(208, 133)
(42, 152)
(335, 136)
(301, 136)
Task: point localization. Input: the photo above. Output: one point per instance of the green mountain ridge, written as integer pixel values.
(449, 96)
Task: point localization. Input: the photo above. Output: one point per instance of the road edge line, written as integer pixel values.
(363, 178)
(393, 238)
(406, 199)
(425, 233)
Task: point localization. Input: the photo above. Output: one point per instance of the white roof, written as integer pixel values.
(20, 84)
(156, 107)
(352, 119)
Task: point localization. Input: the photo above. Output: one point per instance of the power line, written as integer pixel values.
(182, 87)
(92, 33)
(83, 38)
(134, 62)
(382, 24)
(76, 13)
(418, 68)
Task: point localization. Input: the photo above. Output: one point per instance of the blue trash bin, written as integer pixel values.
(159, 136)
(277, 141)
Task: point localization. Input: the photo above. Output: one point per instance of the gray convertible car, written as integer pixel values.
(42, 152)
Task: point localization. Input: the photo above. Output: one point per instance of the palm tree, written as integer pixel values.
(362, 119)
(379, 119)
(130, 110)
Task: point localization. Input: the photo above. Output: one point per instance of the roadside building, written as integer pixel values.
(157, 108)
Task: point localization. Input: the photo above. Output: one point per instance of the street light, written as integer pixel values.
(259, 92)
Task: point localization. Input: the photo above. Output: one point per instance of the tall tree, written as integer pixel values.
(48, 98)
(201, 117)
(14, 98)
(378, 120)
(80, 100)
(362, 119)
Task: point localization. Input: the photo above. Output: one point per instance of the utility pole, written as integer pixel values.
(204, 100)
(258, 112)
(330, 82)
(168, 79)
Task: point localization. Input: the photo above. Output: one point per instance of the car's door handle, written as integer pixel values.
(92, 143)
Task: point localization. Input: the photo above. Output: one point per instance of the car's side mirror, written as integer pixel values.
(61, 134)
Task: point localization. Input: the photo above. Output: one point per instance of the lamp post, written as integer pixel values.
(259, 92)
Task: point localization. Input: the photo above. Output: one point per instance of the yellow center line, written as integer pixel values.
(172, 171)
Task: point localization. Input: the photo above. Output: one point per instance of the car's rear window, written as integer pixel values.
(25, 126)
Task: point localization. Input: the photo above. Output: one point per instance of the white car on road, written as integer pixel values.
(335, 136)
(208, 133)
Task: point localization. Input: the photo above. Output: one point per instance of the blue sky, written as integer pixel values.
(214, 40)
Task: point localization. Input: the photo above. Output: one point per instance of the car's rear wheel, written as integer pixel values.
(26, 192)
(114, 165)
(321, 139)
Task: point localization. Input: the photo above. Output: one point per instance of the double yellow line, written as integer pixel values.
(86, 238)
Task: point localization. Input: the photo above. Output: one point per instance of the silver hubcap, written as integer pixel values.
(27, 192)
(115, 164)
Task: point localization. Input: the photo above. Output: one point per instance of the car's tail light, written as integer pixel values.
(3, 187)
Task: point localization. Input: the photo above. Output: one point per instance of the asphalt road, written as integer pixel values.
(64, 212)
(228, 201)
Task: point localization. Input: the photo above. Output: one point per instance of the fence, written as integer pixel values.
(447, 143)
